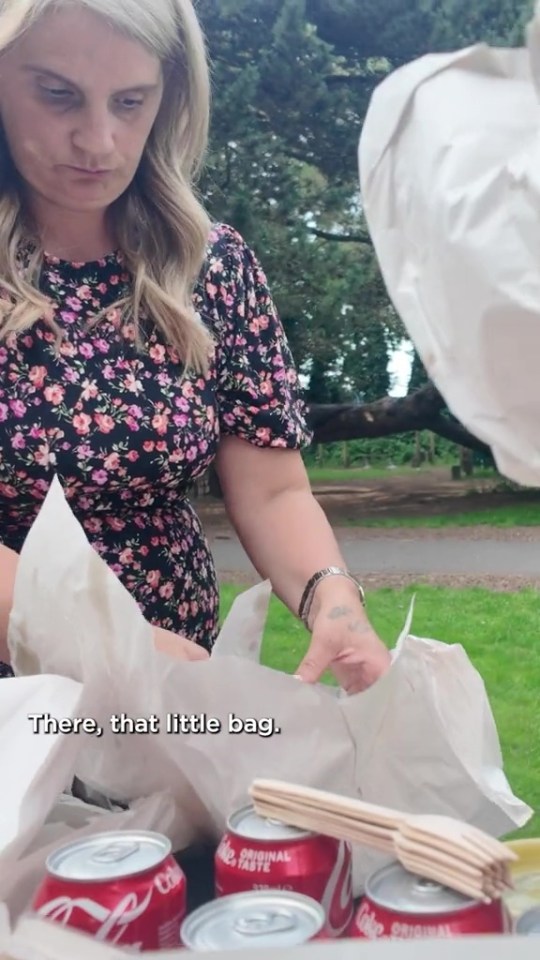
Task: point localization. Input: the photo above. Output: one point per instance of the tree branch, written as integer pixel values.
(340, 237)
(421, 410)
(353, 79)
(454, 431)
(351, 421)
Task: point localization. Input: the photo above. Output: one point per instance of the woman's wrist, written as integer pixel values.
(336, 589)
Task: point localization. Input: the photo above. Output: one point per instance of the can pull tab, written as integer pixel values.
(427, 886)
(115, 852)
(260, 922)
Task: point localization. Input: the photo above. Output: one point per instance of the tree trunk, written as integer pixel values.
(201, 487)
(417, 455)
(466, 461)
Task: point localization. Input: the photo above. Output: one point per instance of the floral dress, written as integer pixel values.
(126, 436)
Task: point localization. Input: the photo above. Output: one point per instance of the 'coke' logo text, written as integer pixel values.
(169, 879)
(367, 923)
(112, 923)
(225, 853)
(337, 898)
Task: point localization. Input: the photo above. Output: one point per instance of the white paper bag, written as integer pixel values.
(400, 742)
(35, 768)
(37, 939)
(98, 634)
(432, 725)
(450, 183)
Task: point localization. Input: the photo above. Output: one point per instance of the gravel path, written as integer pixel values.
(468, 556)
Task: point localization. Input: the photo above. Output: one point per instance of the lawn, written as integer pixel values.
(500, 634)
(519, 514)
(345, 475)
(524, 511)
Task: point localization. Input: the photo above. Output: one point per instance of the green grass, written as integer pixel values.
(519, 514)
(345, 475)
(333, 473)
(501, 634)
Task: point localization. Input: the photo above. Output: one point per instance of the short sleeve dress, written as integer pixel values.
(127, 437)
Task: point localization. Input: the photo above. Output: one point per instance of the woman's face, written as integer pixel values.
(77, 103)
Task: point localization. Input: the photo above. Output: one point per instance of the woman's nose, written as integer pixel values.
(94, 135)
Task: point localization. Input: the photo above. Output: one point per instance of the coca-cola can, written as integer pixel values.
(123, 887)
(528, 924)
(263, 854)
(258, 918)
(403, 906)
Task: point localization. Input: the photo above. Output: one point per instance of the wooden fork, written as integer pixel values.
(446, 849)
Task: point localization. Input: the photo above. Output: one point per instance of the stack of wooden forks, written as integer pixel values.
(435, 847)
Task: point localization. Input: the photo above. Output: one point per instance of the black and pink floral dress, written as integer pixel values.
(127, 438)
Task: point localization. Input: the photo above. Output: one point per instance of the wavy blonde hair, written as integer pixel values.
(161, 227)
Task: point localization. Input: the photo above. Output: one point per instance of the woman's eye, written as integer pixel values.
(56, 93)
(129, 103)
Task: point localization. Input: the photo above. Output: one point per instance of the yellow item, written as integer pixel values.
(526, 876)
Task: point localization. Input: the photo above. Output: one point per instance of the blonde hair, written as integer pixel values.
(161, 227)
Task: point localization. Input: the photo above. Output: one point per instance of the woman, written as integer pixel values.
(138, 344)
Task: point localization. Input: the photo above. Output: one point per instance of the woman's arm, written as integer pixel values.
(288, 538)
(8, 569)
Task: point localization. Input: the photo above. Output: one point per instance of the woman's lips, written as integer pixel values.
(85, 172)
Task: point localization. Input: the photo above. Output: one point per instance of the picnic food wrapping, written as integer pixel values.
(450, 183)
(30, 758)
(35, 939)
(422, 739)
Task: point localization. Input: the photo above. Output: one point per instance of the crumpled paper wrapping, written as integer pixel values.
(31, 789)
(37, 939)
(450, 182)
(423, 739)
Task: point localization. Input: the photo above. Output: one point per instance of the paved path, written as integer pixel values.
(404, 554)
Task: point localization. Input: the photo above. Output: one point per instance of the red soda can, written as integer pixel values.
(258, 918)
(262, 854)
(123, 887)
(403, 906)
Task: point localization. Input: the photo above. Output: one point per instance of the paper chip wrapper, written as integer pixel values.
(450, 183)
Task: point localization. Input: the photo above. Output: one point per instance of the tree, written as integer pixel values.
(292, 82)
(398, 32)
(279, 169)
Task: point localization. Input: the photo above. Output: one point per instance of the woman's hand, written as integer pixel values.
(343, 639)
(177, 646)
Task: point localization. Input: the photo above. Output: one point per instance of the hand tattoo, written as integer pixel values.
(336, 612)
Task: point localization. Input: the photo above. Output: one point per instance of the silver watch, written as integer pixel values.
(312, 584)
